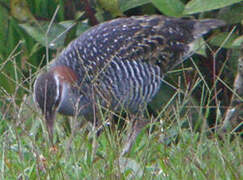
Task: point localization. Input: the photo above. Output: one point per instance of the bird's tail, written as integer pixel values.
(201, 27)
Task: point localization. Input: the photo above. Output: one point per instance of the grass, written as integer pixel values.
(168, 151)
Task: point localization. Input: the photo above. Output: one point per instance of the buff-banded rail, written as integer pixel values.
(117, 65)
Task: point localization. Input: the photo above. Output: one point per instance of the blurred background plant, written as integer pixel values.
(33, 32)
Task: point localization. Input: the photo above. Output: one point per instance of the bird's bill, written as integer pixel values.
(49, 117)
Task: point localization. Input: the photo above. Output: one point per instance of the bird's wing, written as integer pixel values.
(156, 39)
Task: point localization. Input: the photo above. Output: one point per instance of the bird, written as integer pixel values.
(117, 65)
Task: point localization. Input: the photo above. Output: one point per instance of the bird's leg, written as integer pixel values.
(95, 123)
(97, 119)
(137, 125)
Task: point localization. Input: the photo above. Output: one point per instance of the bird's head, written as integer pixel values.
(50, 89)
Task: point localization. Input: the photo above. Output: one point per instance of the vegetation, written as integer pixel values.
(184, 139)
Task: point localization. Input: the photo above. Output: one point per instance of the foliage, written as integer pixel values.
(33, 32)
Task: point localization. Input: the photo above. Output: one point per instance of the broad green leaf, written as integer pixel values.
(53, 39)
(238, 42)
(169, 7)
(129, 4)
(225, 40)
(3, 30)
(111, 6)
(199, 47)
(232, 14)
(82, 27)
(196, 6)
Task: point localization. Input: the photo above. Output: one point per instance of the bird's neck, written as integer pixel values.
(67, 102)
(72, 102)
